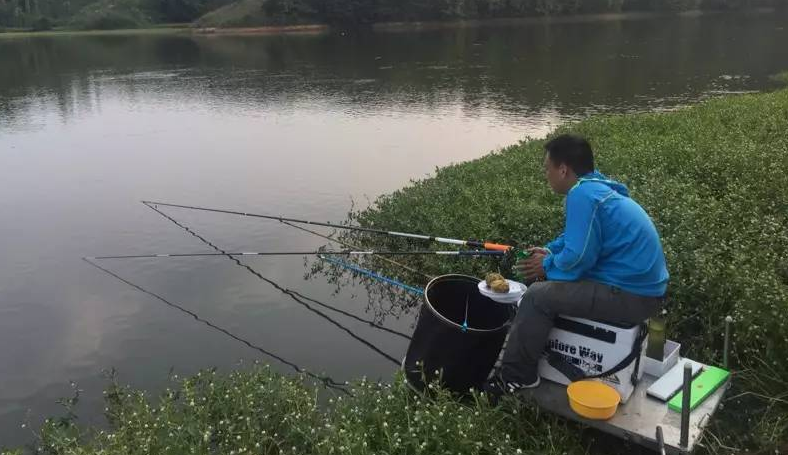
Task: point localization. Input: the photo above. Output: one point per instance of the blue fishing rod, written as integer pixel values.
(371, 274)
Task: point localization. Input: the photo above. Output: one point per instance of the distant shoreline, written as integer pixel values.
(428, 25)
(263, 30)
(162, 30)
(172, 29)
(467, 23)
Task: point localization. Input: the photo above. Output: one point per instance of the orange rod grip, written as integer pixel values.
(497, 247)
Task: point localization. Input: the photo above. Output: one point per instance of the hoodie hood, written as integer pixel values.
(599, 177)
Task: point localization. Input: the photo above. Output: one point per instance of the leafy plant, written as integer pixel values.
(111, 14)
(257, 411)
(713, 178)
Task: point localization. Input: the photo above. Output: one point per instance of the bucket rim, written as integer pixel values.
(445, 319)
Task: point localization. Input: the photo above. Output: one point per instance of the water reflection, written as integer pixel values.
(298, 125)
(325, 380)
(519, 71)
(295, 295)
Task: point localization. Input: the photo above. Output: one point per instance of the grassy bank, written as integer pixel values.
(257, 411)
(33, 16)
(157, 30)
(714, 179)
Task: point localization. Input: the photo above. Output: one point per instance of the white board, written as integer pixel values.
(666, 386)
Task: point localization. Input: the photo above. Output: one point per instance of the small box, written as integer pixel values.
(595, 348)
(656, 368)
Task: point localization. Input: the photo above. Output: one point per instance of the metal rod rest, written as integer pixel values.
(686, 389)
(660, 441)
(727, 345)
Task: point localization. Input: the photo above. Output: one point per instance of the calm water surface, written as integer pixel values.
(296, 125)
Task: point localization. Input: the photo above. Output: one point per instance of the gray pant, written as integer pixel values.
(545, 300)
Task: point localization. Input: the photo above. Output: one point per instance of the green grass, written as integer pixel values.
(780, 77)
(714, 178)
(257, 411)
(154, 30)
(242, 13)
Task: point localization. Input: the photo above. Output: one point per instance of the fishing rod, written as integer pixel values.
(293, 294)
(307, 253)
(326, 380)
(330, 238)
(469, 243)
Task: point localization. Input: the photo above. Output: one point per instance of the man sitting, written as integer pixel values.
(607, 265)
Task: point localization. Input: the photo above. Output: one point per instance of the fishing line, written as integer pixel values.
(294, 294)
(286, 291)
(326, 380)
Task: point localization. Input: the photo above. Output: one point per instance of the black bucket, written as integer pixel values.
(464, 358)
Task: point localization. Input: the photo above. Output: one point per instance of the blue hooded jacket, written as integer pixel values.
(608, 238)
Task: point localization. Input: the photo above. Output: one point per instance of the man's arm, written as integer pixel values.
(556, 245)
(581, 239)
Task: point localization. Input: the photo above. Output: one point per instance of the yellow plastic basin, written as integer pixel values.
(593, 399)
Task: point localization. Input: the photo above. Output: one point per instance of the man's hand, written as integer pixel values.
(538, 249)
(531, 267)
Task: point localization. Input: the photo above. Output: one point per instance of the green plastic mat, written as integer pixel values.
(702, 386)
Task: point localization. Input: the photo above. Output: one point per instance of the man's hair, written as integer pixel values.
(574, 151)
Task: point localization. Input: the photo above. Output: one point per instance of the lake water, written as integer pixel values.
(292, 125)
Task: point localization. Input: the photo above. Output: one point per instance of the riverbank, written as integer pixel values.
(713, 176)
(159, 30)
(462, 23)
(569, 19)
(188, 28)
(180, 29)
(450, 24)
(256, 411)
(267, 30)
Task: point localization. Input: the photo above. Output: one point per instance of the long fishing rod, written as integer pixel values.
(330, 238)
(468, 243)
(295, 295)
(307, 253)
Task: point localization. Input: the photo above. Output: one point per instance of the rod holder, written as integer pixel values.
(686, 389)
(660, 441)
(727, 345)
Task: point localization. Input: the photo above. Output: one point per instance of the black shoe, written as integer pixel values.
(497, 387)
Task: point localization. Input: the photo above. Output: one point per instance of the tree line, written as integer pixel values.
(106, 14)
(101, 14)
(371, 11)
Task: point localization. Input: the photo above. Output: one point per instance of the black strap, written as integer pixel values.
(574, 373)
(559, 362)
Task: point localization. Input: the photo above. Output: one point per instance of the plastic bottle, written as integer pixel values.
(655, 348)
